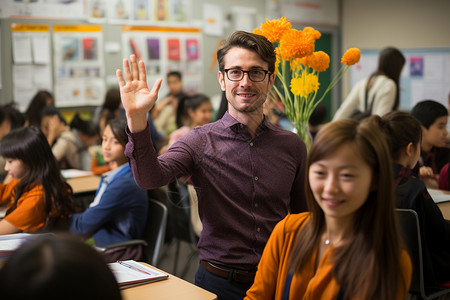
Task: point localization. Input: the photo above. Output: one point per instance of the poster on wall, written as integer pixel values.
(31, 61)
(164, 50)
(78, 65)
(425, 75)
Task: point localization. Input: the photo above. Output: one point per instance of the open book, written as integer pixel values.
(130, 273)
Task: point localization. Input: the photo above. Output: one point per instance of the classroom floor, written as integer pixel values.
(167, 261)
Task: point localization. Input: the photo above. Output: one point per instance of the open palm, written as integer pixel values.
(136, 98)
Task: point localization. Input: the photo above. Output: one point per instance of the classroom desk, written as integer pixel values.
(171, 288)
(84, 184)
(445, 209)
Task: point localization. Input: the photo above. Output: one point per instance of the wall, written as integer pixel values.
(114, 60)
(405, 24)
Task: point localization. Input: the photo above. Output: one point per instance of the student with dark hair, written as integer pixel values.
(378, 94)
(86, 135)
(348, 245)
(164, 113)
(404, 134)
(110, 109)
(119, 210)
(198, 109)
(40, 100)
(57, 267)
(65, 144)
(432, 116)
(38, 196)
(248, 173)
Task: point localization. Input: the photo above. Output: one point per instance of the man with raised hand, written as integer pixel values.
(248, 173)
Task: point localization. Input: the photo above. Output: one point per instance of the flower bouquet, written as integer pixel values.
(295, 54)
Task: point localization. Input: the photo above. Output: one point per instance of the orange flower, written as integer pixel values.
(351, 56)
(295, 44)
(319, 61)
(273, 30)
(314, 33)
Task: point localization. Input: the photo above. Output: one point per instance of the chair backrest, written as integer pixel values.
(155, 231)
(410, 231)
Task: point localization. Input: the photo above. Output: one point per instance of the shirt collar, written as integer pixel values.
(111, 174)
(231, 122)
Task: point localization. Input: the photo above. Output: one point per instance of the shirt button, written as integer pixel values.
(256, 204)
(258, 229)
(256, 177)
(242, 126)
(251, 144)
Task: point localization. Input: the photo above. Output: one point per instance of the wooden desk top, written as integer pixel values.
(445, 209)
(84, 184)
(172, 288)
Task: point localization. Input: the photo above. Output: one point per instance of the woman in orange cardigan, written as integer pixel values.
(348, 246)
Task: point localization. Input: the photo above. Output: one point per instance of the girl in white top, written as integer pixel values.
(382, 88)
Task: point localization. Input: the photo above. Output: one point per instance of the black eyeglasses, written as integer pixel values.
(238, 74)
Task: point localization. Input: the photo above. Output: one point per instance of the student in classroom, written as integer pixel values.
(69, 144)
(40, 100)
(381, 91)
(38, 196)
(198, 108)
(404, 134)
(119, 210)
(57, 267)
(164, 112)
(334, 251)
(432, 116)
(248, 173)
(10, 118)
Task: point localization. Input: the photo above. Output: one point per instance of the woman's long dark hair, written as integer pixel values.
(39, 101)
(31, 147)
(368, 266)
(390, 64)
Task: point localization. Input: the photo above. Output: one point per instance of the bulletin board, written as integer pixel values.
(164, 50)
(426, 74)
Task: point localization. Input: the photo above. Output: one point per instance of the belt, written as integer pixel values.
(236, 275)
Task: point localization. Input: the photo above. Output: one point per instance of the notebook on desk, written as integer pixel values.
(439, 195)
(130, 273)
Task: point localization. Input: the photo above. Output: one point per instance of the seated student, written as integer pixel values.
(403, 134)
(433, 117)
(38, 196)
(61, 138)
(198, 108)
(164, 112)
(86, 135)
(57, 267)
(40, 100)
(335, 249)
(119, 210)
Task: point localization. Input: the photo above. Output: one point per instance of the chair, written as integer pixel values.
(154, 233)
(180, 226)
(410, 231)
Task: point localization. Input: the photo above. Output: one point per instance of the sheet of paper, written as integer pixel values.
(123, 273)
(23, 76)
(41, 48)
(439, 195)
(21, 47)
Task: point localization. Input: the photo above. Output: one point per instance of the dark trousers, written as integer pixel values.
(225, 289)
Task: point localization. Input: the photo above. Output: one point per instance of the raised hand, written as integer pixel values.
(137, 99)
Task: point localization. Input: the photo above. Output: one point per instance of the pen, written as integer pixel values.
(133, 268)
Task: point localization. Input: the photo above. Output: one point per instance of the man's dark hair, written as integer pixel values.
(176, 74)
(428, 111)
(249, 41)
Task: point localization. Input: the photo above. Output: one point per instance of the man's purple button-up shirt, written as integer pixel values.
(244, 185)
